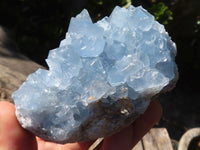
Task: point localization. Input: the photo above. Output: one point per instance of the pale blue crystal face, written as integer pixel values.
(127, 55)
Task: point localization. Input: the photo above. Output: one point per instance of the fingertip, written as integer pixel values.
(153, 113)
(13, 136)
(4, 105)
(146, 121)
(156, 105)
(80, 146)
(129, 136)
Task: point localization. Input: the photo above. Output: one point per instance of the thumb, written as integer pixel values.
(12, 135)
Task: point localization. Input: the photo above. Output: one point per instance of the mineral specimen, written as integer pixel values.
(102, 76)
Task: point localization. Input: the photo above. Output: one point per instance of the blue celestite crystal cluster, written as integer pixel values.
(100, 76)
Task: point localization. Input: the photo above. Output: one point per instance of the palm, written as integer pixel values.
(43, 145)
(13, 136)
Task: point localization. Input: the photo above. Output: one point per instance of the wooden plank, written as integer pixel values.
(149, 142)
(157, 139)
(138, 146)
(162, 138)
(95, 144)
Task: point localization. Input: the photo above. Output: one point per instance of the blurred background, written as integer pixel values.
(37, 26)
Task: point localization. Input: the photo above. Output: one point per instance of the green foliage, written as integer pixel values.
(197, 26)
(196, 44)
(119, 2)
(161, 12)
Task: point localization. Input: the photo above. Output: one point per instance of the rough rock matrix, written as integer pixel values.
(102, 76)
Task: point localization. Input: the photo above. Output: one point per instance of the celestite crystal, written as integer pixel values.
(101, 77)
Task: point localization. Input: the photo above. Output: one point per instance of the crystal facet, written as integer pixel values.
(101, 77)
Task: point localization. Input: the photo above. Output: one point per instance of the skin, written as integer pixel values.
(14, 137)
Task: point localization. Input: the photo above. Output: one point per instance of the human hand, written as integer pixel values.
(14, 137)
